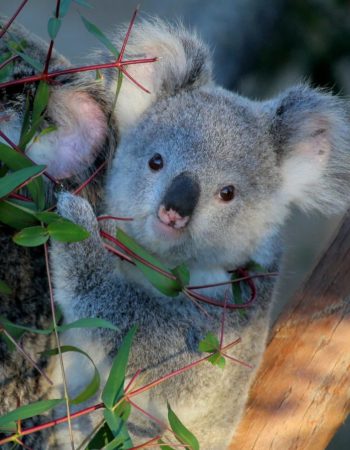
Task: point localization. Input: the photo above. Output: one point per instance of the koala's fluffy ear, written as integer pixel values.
(81, 131)
(311, 135)
(184, 63)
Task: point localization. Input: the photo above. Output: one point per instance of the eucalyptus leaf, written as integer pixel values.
(65, 231)
(91, 389)
(33, 409)
(31, 237)
(15, 217)
(16, 161)
(93, 29)
(53, 27)
(209, 344)
(217, 360)
(165, 285)
(118, 428)
(101, 438)
(114, 388)
(88, 322)
(182, 433)
(15, 180)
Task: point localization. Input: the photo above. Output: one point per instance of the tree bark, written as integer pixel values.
(302, 391)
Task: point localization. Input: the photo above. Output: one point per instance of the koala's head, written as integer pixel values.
(207, 174)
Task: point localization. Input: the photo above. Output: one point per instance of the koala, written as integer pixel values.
(208, 177)
(84, 138)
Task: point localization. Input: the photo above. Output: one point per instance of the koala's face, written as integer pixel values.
(198, 177)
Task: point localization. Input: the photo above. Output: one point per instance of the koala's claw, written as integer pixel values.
(76, 209)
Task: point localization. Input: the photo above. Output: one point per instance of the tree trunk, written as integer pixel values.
(302, 391)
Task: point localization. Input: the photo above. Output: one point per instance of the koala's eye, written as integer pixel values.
(156, 162)
(227, 193)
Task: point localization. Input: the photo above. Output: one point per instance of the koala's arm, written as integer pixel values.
(84, 272)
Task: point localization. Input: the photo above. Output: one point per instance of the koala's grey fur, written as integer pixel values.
(24, 268)
(293, 149)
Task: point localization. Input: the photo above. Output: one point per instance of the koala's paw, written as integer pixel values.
(78, 210)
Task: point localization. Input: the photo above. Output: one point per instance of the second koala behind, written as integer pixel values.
(208, 177)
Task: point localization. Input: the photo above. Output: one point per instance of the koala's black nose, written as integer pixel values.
(182, 195)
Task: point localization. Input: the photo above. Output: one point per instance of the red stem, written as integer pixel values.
(133, 80)
(49, 52)
(9, 23)
(127, 35)
(91, 177)
(135, 256)
(146, 444)
(20, 197)
(114, 218)
(38, 77)
(8, 61)
(116, 252)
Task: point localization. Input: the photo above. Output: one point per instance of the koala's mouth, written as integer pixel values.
(167, 230)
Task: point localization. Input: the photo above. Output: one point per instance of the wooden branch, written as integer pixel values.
(302, 391)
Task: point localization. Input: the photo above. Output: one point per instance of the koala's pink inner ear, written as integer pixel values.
(81, 132)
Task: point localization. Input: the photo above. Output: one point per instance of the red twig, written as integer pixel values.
(150, 416)
(132, 380)
(49, 52)
(25, 355)
(116, 252)
(111, 65)
(8, 61)
(114, 218)
(127, 35)
(91, 177)
(147, 444)
(135, 256)
(133, 80)
(20, 197)
(25, 182)
(9, 23)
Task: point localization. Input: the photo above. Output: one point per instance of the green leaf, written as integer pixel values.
(182, 434)
(209, 344)
(91, 389)
(84, 3)
(118, 428)
(16, 161)
(93, 29)
(64, 7)
(47, 130)
(64, 230)
(165, 285)
(12, 215)
(253, 266)
(25, 123)
(47, 217)
(41, 100)
(164, 446)
(123, 410)
(33, 409)
(12, 327)
(31, 237)
(114, 388)
(10, 427)
(28, 59)
(5, 288)
(53, 27)
(237, 294)
(182, 274)
(102, 437)
(217, 360)
(88, 322)
(17, 179)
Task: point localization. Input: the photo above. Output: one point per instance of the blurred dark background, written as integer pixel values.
(260, 47)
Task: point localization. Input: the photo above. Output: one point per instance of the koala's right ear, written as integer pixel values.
(184, 63)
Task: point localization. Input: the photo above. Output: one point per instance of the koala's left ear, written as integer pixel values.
(311, 135)
(184, 63)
